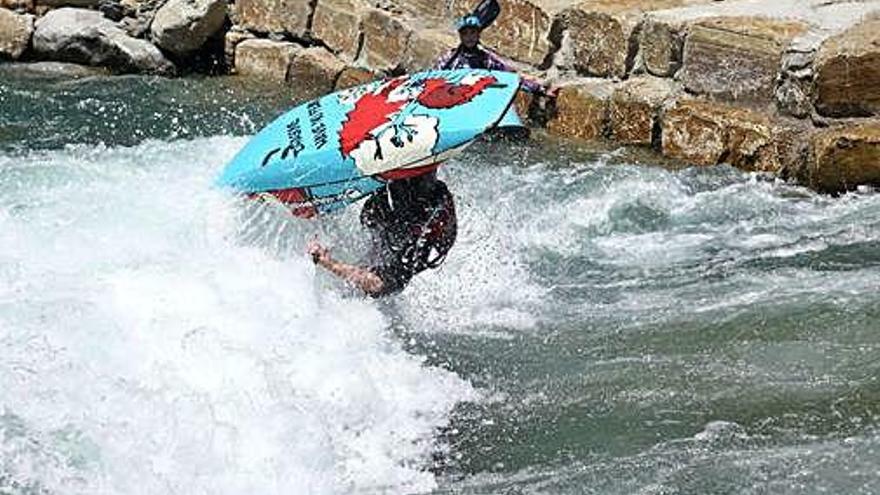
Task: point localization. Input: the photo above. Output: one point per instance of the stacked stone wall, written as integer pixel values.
(788, 87)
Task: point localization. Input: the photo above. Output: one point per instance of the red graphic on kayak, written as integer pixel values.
(384, 108)
(440, 93)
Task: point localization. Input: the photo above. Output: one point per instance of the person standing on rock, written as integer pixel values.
(470, 55)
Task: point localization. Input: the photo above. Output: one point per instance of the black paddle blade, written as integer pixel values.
(487, 11)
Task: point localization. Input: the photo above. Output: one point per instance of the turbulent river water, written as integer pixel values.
(603, 325)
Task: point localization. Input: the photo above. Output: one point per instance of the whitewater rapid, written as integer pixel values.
(147, 347)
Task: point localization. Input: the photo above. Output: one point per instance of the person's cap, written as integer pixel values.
(467, 21)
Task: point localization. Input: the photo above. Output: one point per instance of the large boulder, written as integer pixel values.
(847, 72)
(600, 37)
(425, 47)
(15, 33)
(354, 76)
(265, 59)
(182, 26)
(593, 39)
(846, 157)
(289, 17)
(431, 11)
(635, 109)
(582, 110)
(520, 32)
(337, 23)
(86, 36)
(709, 133)
(314, 71)
(385, 41)
(736, 58)
(661, 41)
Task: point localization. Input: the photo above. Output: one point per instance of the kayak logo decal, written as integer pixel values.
(441, 93)
(383, 129)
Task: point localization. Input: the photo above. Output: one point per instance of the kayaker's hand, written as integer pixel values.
(320, 254)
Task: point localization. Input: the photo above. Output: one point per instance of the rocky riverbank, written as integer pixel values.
(791, 87)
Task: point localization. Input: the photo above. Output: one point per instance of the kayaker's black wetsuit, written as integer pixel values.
(412, 226)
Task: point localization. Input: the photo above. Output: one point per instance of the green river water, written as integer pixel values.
(603, 325)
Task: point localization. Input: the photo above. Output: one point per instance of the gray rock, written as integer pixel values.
(183, 26)
(86, 36)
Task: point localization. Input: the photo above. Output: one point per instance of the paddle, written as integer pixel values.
(487, 11)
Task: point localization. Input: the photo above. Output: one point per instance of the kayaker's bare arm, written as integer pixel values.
(360, 277)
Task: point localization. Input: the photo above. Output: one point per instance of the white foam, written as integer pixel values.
(143, 349)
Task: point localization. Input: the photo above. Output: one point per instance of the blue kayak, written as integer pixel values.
(330, 152)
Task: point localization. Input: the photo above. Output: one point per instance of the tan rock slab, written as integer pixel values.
(274, 16)
(15, 33)
(600, 37)
(635, 107)
(265, 59)
(736, 58)
(520, 32)
(582, 110)
(385, 41)
(437, 13)
(230, 40)
(354, 76)
(314, 71)
(847, 68)
(708, 133)
(338, 24)
(846, 157)
(661, 42)
(425, 47)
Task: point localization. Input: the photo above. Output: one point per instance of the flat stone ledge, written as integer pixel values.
(52, 69)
